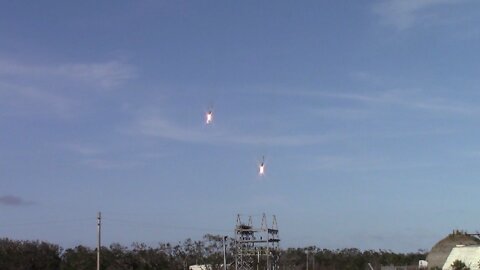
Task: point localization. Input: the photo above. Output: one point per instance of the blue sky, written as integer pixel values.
(366, 113)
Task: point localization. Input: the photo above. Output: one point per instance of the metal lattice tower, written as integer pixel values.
(256, 247)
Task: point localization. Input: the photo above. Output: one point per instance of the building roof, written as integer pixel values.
(441, 250)
(469, 255)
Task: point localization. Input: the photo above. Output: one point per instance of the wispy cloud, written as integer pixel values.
(10, 200)
(104, 74)
(341, 113)
(158, 126)
(109, 164)
(413, 101)
(282, 140)
(82, 149)
(342, 163)
(56, 89)
(403, 14)
(18, 97)
(403, 98)
(360, 163)
(98, 157)
(345, 106)
(367, 77)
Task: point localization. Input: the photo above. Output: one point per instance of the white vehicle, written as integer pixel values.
(200, 267)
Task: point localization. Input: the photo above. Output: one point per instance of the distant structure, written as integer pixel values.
(256, 247)
(391, 267)
(200, 267)
(422, 265)
(448, 247)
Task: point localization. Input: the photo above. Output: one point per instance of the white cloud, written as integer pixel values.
(403, 14)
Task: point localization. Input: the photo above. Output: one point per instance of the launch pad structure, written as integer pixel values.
(256, 247)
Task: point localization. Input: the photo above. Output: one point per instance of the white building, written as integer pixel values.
(469, 255)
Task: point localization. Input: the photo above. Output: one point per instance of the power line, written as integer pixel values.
(163, 226)
(47, 222)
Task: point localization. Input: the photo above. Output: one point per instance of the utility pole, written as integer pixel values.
(307, 259)
(224, 253)
(99, 225)
(258, 259)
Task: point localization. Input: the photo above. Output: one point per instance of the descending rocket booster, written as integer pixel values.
(209, 117)
(261, 167)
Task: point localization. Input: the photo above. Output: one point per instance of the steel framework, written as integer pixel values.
(256, 247)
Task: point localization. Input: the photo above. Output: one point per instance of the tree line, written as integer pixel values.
(39, 255)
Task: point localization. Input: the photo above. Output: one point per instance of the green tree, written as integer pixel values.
(459, 265)
(28, 255)
(78, 258)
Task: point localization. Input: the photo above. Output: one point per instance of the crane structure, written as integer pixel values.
(256, 247)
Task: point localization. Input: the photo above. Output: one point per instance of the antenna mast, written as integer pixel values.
(99, 225)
